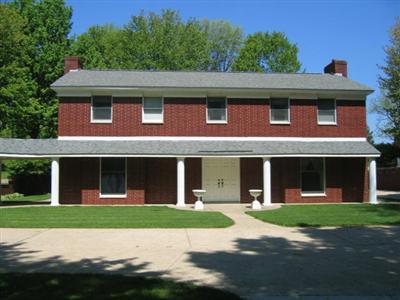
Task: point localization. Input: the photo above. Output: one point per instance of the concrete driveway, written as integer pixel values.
(253, 259)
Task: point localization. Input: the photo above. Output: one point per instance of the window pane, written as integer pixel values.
(216, 114)
(326, 111)
(216, 103)
(152, 103)
(101, 108)
(216, 109)
(279, 110)
(152, 110)
(113, 176)
(312, 175)
(311, 182)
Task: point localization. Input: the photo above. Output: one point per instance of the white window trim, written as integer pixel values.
(153, 121)
(217, 121)
(316, 193)
(107, 196)
(270, 112)
(91, 110)
(327, 123)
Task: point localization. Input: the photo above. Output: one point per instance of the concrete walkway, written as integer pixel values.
(253, 259)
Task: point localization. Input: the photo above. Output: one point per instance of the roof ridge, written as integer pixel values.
(206, 72)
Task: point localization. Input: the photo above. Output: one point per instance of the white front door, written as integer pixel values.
(221, 179)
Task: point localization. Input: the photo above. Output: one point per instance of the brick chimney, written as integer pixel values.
(337, 67)
(71, 63)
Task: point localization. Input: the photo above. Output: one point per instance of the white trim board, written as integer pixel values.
(209, 138)
(260, 93)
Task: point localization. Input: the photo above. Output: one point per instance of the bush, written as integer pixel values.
(13, 196)
(30, 177)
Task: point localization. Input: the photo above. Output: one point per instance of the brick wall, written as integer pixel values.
(150, 180)
(251, 177)
(187, 117)
(79, 182)
(346, 181)
(153, 180)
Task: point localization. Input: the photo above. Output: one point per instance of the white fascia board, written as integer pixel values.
(34, 156)
(210, 92)
(207, 138)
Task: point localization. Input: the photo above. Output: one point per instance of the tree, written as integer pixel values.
(224, 42)
(48, 26)
(100, 47)
(34, 41)
(267, 52)
(164, 42)
(388, 106)
(370, 136)
(19, 108)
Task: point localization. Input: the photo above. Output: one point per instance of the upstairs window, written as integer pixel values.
(312, 176)
(153, 111)
(101, 109)
(113, 177)
(326, 111)
(216, 110)
(280, 111)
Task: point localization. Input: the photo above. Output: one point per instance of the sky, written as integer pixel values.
(353, 30)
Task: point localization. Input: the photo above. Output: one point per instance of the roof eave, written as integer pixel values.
(202, 91)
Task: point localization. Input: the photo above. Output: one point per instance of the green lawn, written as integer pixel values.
(331, 215)
(95, 286)
(109, 217)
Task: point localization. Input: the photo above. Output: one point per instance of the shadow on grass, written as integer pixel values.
(100, 286)
(22, 277)
(341, 262)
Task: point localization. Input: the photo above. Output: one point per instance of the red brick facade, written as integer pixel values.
(153, 180)
(187, 117)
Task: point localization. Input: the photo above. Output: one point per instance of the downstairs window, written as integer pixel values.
(313, 176)
(112, 177)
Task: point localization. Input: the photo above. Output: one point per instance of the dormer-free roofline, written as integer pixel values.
(251, 84)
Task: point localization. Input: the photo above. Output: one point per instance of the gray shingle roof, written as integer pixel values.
(54, 147)
(208, 80)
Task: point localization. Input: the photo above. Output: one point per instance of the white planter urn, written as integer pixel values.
(199, 205)
(255, 193)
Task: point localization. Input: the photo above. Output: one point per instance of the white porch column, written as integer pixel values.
(267, 180)
(372, 181)
(55, 179)
(180, 181)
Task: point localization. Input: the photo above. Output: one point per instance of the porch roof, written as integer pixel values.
(45, 148)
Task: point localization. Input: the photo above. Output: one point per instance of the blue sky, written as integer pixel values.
(354, 30)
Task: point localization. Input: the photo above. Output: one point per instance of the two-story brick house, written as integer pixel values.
(131, 137)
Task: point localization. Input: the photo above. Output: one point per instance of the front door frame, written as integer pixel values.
(237, 180)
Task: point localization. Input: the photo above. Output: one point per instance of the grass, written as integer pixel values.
(31, 198)
(331, 215)
(109, 217)
(97, 286)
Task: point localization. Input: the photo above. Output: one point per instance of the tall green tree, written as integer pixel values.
(164, 42)
(19, 108)
(388, 106)
(100, 47)
(48, 26)
(224, 42)
(267, 52)
(34, 41)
